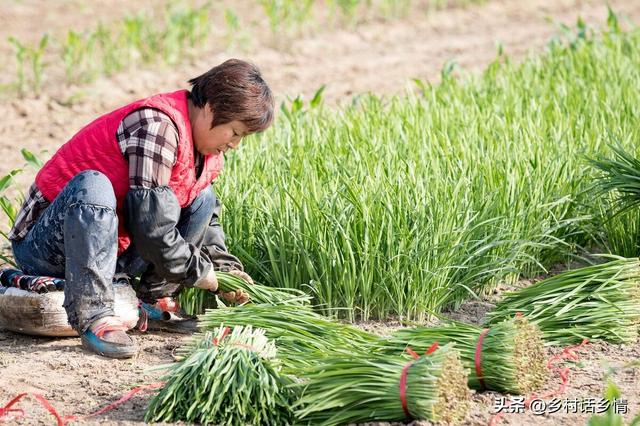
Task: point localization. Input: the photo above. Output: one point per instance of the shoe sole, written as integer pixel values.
(101, 347)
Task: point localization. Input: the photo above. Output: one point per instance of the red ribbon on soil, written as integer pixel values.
(566, 354)
(62, 421)
(403, 376)
(478, 357)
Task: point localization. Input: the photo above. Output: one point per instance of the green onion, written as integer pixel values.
(343, 388)
(232, 380)
(511, 354)
(599, 302)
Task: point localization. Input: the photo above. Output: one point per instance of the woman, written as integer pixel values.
(131, 193)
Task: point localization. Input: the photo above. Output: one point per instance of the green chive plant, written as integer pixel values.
(405, 205)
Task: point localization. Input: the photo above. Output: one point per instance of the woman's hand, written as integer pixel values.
(208, 282)
(242, 275)
(238, 296)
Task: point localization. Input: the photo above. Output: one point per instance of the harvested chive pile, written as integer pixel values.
(342, 389)
(229, 379)
(599, 302)
(511, 354)
(301, 334)
(195, 301)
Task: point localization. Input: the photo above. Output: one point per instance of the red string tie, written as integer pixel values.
(478, 358)
(403, 376)
(217, 341)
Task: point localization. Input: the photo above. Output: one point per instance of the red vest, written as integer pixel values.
(95, 147)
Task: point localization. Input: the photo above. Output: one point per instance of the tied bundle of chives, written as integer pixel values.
(343, 389)
(508, 357)
(300, 333)
(195, 301)
(599, 302)
(225, 379)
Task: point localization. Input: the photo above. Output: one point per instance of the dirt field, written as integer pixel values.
(380, 57)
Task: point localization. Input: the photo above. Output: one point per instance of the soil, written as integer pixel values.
(380, 56)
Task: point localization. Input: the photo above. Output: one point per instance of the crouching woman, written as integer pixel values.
(130, 194)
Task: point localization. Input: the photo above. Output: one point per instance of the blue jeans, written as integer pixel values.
(76, 238)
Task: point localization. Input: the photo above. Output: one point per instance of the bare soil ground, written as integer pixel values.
(377, 56)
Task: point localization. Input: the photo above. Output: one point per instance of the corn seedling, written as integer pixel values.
(74, 51)
(343, 389)
(599, 302)
(34, 55)
(8, 205)
(507, 357)
(612, 416)
(346, 8)
(20, 52)
(108, 50)
(286, 15)
(235, 35)
(9, 208)
(229, 379)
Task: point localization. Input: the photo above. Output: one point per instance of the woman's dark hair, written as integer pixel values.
(235, 90)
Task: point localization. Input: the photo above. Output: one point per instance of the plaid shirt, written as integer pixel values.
(148, 140)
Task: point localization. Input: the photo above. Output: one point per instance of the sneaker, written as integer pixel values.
(107, 337)
(166, 315)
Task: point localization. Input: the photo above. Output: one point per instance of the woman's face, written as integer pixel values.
(214, 140)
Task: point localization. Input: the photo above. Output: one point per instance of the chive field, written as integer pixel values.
(410, 204)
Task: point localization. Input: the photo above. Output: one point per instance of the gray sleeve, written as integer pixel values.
(151, 216)
(214, 247)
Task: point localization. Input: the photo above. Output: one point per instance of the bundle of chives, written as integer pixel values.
(195, 301)
(508, 357)
(259, 293)
(225, 379)
(599, 302)
(301, 334)
(343, 389)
